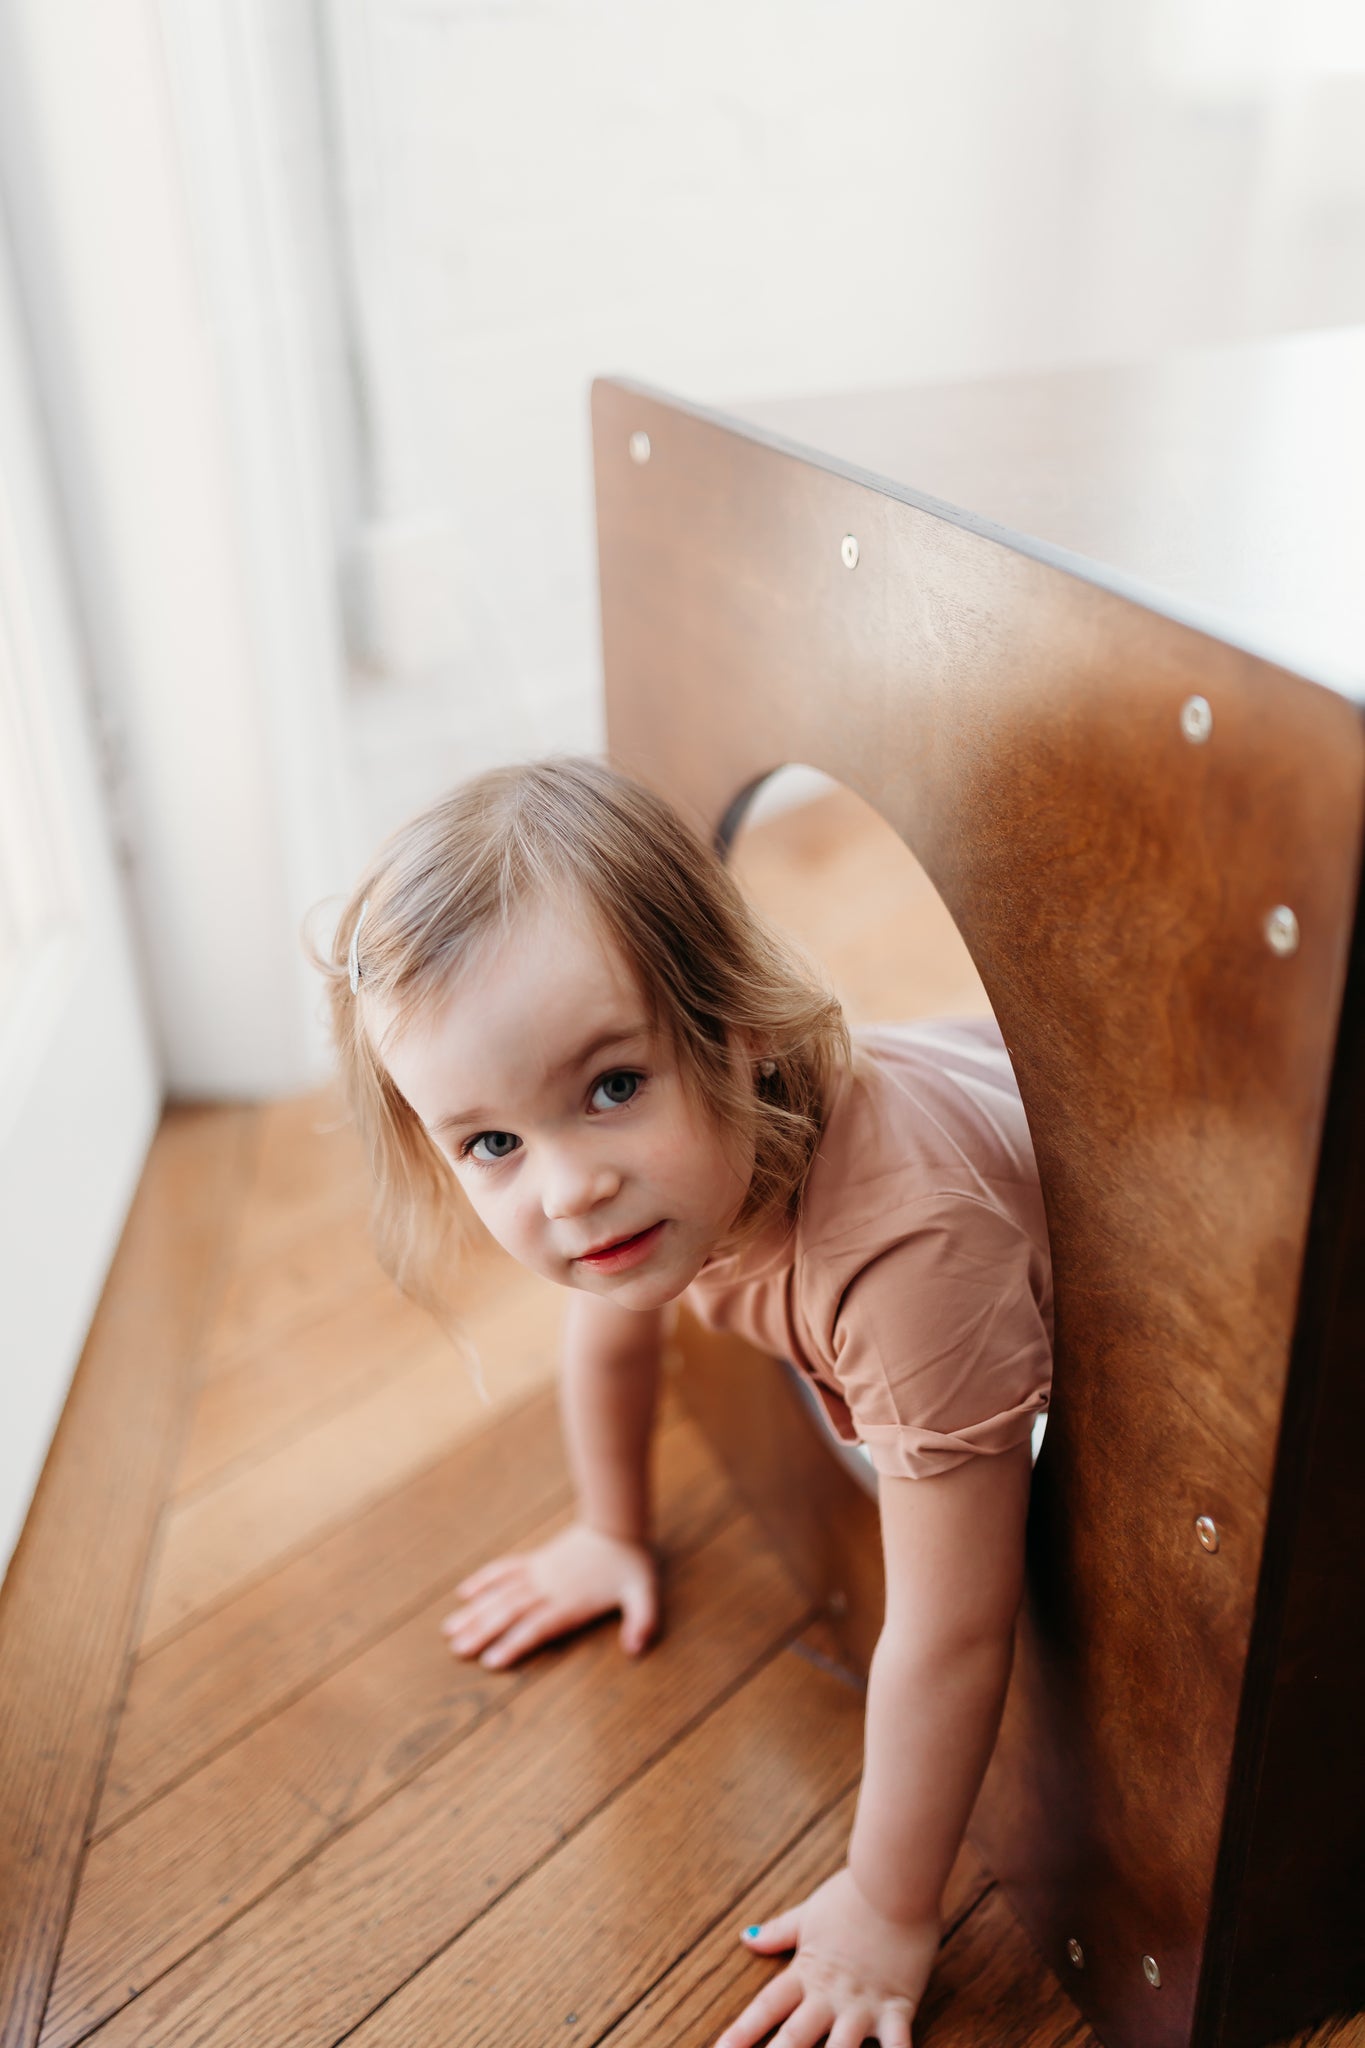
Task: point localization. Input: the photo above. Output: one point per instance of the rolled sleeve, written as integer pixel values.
(941, 1345)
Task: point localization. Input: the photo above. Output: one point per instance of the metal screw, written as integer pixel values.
(1076, 1953)
(1282, 931)
(848, 551)
(1151, 1972)
(1196, 720)
(639, 446)
(1206, 1529)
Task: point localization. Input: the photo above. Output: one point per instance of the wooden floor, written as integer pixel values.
(309, 1823)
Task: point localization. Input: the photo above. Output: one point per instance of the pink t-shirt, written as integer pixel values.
(915, 1288)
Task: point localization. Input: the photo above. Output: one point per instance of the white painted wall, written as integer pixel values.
(744, 201)
(137, 147)
(317, 288)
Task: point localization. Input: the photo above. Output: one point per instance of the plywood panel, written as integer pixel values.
(1020, 727)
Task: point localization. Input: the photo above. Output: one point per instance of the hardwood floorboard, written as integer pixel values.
(327, 1257)
(584, 1935)
(714, 1978)
(327, 1945)
(278, 1390)
(308, 1160)
(155, 1888)
(258, 1515)
(991, 1985)
(283, 1634)
(65, 1627)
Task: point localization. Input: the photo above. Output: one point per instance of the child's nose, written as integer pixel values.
(572, 1186)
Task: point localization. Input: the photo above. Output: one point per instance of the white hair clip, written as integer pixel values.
(353, 957)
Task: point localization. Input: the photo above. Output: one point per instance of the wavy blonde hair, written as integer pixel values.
(712, 976)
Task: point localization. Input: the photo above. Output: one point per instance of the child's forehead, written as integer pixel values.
(552, 953)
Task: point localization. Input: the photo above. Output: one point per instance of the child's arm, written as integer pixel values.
(609, 1386)
(603, 1560)
(867, 1938)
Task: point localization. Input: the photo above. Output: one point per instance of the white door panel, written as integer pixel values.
(79, 1090)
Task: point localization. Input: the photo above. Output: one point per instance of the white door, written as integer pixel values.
(79, 1089)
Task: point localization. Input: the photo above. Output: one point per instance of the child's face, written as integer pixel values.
(565, 1115)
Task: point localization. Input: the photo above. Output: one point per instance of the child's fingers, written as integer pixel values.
(773, 2003)
(530, 1632)
(851, 2029)
(486, 1619)
(894, 2030)
(805, 2027)
(491, 1575)
(769, 1936)
(513, 1585)
(639, 1618)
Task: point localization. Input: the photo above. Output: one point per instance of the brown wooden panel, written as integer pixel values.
(1288, 1939)
(1021, 729)
(71, 1595)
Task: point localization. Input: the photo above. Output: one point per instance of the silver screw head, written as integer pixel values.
(1206, 1529)
(1151, 1972)
(848, 551)
(639, 446)
(1282, 931)
(1076, 1953)
(1196, 720)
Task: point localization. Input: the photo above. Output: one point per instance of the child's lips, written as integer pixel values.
(622, 1251)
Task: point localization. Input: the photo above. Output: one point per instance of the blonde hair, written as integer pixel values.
(712, 976)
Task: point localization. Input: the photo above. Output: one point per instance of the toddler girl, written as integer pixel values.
(552, 1002)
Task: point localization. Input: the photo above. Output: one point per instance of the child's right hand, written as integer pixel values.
(519, 1602)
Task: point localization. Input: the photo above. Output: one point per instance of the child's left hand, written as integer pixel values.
(856, 1975)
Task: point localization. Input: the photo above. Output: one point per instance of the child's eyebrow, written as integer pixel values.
(616, 1034)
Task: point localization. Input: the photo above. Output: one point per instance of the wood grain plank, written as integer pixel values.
(318, 1953)
(308, 1158)
(278, 1389)
(155, 1888)
(584, 1936)
(70, 1598)
(228, 1534)
(327, 1258)
(714, 1979)
(285, 1633)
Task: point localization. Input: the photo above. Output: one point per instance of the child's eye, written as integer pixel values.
(614, 1090)
(495, 1145)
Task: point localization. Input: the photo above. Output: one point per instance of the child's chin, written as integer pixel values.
(640, 1290)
